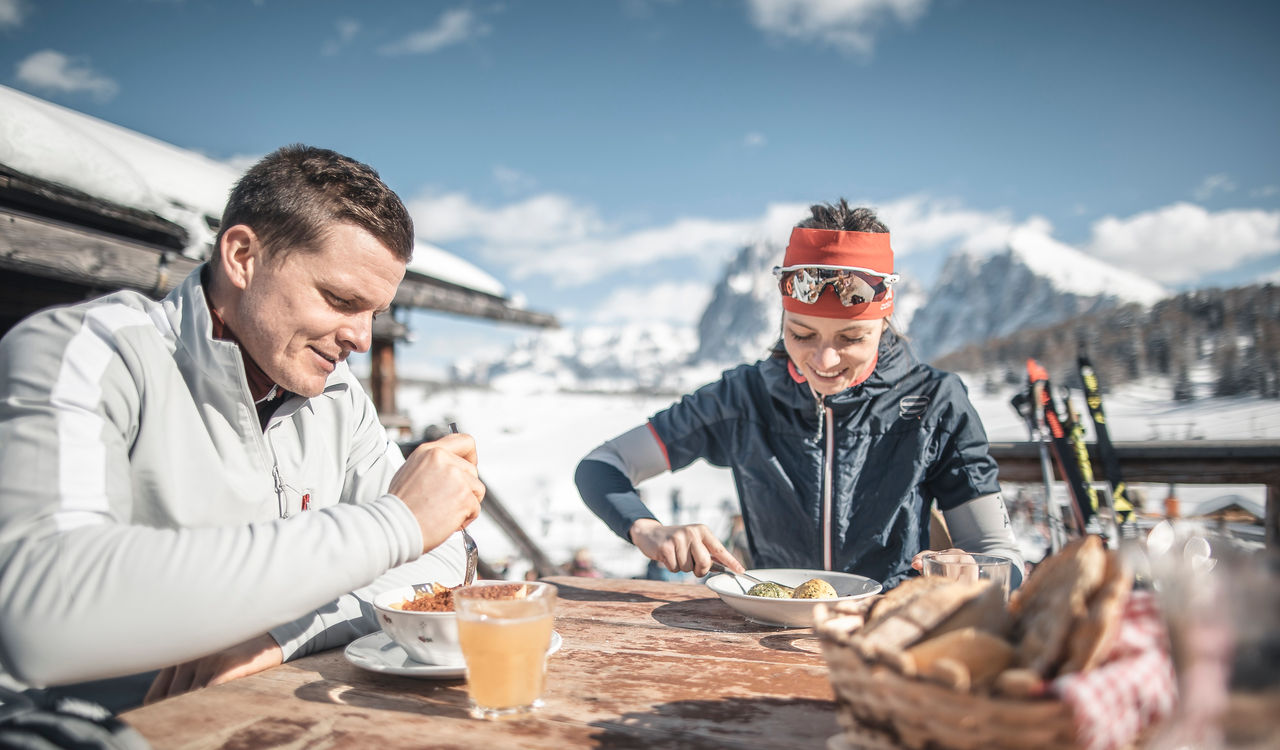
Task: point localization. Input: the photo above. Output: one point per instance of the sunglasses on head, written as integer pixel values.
(854, 286)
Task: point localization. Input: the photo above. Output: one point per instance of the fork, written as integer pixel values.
(720, 568)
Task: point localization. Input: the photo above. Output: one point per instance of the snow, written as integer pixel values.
(531, 439)
(1073, 271)
(107, 161)
(53, 143)
(430, 260)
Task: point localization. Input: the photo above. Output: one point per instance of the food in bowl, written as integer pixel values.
(787, 612)
(769, 589)
(814, 588)
(427, 636)
(439, 599)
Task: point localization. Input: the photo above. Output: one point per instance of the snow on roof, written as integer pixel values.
(60, 145)
(1223, 502)
(48, 141)
(431, 261)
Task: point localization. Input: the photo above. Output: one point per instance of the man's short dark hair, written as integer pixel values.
(294, 194)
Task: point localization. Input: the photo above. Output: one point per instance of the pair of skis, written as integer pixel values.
(1060, 435)
(1120, 503)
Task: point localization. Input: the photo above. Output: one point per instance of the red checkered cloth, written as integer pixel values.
(1129, 692)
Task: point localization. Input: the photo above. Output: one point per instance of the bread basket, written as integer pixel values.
(946, 665)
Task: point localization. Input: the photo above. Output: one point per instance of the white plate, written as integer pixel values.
(788, 613)
(376, 652)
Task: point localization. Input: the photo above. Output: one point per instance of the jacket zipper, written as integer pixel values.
(828, 464)
(826, 419)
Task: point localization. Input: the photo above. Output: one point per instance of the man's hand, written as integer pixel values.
(242, 660)
(682, 548)
(440, 484)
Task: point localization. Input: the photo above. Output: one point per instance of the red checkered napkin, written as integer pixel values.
(1132, 690)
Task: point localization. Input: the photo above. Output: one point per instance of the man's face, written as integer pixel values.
(303, 311)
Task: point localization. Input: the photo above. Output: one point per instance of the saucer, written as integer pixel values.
(376, 652)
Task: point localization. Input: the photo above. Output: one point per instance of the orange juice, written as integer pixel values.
(506, 660)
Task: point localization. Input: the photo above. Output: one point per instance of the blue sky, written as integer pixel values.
(604, 158)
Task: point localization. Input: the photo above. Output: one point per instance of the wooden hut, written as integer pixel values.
(88, 207)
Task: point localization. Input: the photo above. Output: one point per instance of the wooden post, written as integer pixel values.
(382, 376)
(1273, 516)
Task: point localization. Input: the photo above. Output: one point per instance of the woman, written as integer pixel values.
(839, 441)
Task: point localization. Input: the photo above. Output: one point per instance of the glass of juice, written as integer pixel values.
(504, 630)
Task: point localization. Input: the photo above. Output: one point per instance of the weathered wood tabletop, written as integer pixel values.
(644, 664)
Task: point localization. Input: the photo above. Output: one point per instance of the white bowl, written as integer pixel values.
(428, 637)
(792, 613)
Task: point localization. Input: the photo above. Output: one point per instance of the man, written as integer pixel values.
(200, 485)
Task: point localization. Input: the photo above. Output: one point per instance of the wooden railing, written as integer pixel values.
(1180, 462)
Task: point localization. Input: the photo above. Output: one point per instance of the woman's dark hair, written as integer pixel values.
(842, 217)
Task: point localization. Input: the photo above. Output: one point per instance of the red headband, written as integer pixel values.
(831, 247)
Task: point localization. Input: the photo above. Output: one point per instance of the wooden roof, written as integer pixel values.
(66, 241)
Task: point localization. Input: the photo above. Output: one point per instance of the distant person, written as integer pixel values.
(200, 485)
(839, 441)
(582, 564)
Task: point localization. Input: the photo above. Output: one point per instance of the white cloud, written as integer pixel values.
(52, 71)
(1266, 191)
(1183, 242)
(919, 223)
(679, 303)
(551, 235)
(12, 13)
(848, 25)
(513, 180)
(347, 29)
(1212, 184)
(754, 140)
(454, 27)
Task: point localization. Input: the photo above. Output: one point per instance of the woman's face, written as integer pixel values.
(831, 353)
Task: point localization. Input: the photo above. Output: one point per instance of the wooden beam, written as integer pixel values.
(52, 250)
(418, 290)
(1162, 462)
(50, 199)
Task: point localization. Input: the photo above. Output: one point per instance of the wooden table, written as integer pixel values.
(644, 664)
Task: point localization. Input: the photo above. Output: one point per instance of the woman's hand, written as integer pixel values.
(917, 562)
(682, 548)
(953, 566)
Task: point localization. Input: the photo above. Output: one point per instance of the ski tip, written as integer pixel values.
(1036, 370)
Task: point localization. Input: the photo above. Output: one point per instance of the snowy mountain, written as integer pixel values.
(1036, 282)
(740, 322)
(607, 359)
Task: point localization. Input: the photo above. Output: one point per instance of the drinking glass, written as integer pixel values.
(964, 566)
(505, 630)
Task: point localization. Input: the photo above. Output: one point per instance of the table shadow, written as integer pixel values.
(580, 594)
(404, 694)
(711, 615)
(722, 723)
